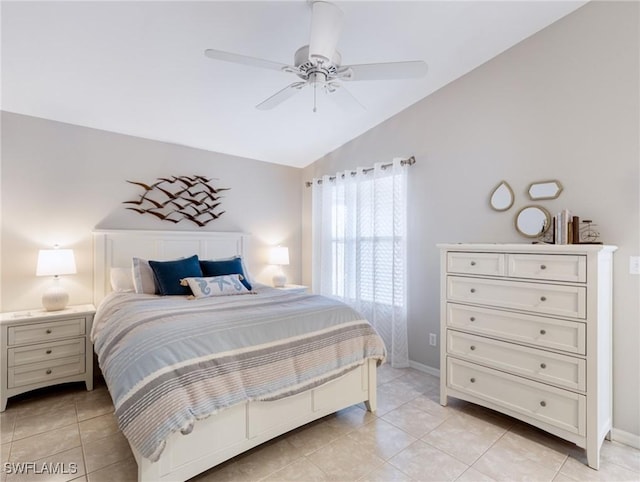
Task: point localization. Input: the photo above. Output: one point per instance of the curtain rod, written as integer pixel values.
(404, 162)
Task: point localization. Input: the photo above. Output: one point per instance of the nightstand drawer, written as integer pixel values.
(45, 371)
(569, 336)
(557, 407)
(476, 263)
(46, 351)
(552, 267)
(548, 299)
(561, 370)
(41, 332)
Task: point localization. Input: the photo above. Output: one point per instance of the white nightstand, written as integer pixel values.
(42, 348)
(294, 288)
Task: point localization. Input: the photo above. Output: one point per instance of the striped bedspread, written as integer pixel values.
(169, 361)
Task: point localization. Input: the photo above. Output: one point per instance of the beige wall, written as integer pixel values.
(562, 104)
(60, 181)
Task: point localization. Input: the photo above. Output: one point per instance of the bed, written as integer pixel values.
(295, 357)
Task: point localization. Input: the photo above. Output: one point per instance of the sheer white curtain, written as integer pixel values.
(359, 248)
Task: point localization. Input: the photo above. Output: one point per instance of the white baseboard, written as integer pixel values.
(627, 438)
(424, 368)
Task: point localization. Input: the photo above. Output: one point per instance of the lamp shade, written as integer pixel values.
(54, 262)
(279, 255)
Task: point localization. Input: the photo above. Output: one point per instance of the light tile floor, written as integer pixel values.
(410, 438)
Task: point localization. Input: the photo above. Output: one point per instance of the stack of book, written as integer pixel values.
(566, 228)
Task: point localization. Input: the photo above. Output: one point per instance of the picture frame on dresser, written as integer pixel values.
(527, 331)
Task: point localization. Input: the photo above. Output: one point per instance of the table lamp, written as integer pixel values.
(55, 262)
(279, 256)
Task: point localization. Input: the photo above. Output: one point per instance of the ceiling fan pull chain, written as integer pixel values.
(315, 88)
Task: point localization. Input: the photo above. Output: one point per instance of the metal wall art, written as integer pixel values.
(179, 197)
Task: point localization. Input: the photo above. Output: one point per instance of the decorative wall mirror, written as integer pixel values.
(502, 197)
(544, 190)
(533, 221)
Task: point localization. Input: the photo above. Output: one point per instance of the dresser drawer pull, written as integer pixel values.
(543, 266)
(543, 298)
(48, 352)
(473, 263)
(543, 332)
(473, 290)
(473, 380)
(543, 365)
(473, 318)
(49, 371)
(48, 332)
(472, 347)
(543, 403)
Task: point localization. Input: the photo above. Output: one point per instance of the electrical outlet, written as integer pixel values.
(433, 339)
(634, 264)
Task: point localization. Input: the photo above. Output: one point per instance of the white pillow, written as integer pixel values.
(228, 284)
(121, 280)
(143, 279)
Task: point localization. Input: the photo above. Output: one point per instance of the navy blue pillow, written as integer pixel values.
(169, 273)
(225, 266)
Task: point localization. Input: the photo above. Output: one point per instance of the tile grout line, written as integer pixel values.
(84, 458)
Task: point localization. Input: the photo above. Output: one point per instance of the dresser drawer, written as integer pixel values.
(569, 336)
(476, 263)
(23, 355)
(45, 371)
(543, 366)
(552, 267)
(41, 332)
(557, 407)
(548, 299)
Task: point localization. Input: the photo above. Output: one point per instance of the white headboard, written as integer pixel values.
(115, 248)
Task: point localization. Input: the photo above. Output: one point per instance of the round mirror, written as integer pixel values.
(532, 221)
(502, 197)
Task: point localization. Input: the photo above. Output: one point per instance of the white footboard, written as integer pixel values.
(242, 427)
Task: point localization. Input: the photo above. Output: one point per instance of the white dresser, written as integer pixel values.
(42, 348)
(526, 331)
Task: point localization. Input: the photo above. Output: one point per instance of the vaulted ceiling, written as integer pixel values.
(139, 68)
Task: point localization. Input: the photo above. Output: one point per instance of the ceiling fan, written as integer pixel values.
(319, 63)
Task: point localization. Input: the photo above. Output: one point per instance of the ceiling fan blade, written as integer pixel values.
(245, 60)
(384, 71)
(326, 25)
(342, 97)
(280, 96)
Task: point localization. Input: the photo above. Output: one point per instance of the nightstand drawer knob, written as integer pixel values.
(543, 298)
(543, 365)
(48, 352)
(473, 380)
(473, 318)
(48, 331)
(472, 347)
(543, 332)
(49, 371)
(543, 266)
(473, 263)
(473, 290)
(543, 403)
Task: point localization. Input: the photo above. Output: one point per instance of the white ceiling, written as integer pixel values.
(138, 68)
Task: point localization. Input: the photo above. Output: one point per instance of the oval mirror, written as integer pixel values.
(502, 197)
(533, 221)
(544, 190)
